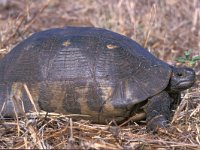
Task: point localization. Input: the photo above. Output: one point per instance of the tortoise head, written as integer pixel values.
(181, 79)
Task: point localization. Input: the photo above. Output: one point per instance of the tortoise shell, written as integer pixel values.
(84, 70)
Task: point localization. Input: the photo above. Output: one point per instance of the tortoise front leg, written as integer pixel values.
(158, 111)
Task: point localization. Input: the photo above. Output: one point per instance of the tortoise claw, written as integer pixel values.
(157, 122)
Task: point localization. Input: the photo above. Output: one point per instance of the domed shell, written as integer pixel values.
(86, 54)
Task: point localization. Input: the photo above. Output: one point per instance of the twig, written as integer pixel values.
(71, 139)
(30, 97)
(179, 109)
(151, 21)
(134, 117)
(29, 126)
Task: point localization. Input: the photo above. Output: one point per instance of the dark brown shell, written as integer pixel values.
(113, 67)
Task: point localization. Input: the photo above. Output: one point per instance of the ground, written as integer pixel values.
(167, 28)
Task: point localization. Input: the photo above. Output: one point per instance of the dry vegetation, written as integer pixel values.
(166, 27)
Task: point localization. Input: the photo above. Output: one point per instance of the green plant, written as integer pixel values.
(188, 59)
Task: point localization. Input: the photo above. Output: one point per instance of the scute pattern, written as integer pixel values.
(85, 70)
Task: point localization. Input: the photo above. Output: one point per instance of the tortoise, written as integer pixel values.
(94, 72)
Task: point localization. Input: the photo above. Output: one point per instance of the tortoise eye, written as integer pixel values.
(179, 74)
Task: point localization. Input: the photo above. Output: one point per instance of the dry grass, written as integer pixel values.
(166, 28)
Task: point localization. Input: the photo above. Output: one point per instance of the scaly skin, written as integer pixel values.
(158, 111)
